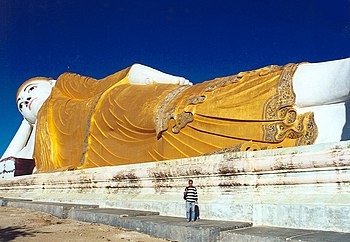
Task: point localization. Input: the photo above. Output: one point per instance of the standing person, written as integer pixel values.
(191, 197)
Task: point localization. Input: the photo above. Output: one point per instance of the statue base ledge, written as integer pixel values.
(300, 187)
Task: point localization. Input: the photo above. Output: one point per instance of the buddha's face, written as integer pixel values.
(31, 97)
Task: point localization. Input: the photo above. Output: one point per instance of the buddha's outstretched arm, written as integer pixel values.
(140, 74)
(322, 83)
(19, 141)
(28, 151)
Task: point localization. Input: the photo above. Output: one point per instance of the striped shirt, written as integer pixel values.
(191, 194)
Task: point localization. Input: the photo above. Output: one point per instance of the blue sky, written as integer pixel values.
(199, 40)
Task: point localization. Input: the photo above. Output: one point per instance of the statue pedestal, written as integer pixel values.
(302, 187)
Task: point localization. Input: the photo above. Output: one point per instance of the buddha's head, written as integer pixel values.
(31, 96)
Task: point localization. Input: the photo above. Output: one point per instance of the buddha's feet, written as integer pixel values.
(324, 89)
(322, 83)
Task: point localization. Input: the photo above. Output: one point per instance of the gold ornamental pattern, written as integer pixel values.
(286, 121)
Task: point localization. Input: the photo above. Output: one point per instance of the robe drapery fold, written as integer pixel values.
(91, 123)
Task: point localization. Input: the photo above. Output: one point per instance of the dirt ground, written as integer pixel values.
(25, 225)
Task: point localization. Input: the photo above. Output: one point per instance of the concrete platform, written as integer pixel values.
(60, 210)
(276, 234)
(175, 228)
(4, 201)
(171, 228)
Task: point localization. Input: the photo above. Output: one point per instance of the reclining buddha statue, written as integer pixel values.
(140, 114)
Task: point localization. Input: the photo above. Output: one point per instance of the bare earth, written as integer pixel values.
(25, 225)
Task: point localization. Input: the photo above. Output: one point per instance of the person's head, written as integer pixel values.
(190, 182)
(31, 95)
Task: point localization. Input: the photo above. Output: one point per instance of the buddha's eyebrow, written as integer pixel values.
(28, 86)
(18, 99)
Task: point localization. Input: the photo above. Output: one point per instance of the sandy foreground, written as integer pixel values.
(25, 225)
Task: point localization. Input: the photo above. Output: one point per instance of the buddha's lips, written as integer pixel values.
(30, 103)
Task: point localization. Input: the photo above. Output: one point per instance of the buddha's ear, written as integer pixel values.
(52, 82)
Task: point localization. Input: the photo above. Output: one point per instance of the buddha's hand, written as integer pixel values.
(174, 80)
(144, 75)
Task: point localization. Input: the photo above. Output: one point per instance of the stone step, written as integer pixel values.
(278, 234)
(60, 210)
(171, 228)
(4, 201)
(117, 212)
(175, 228)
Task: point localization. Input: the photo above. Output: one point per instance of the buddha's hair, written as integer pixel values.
(32, 80)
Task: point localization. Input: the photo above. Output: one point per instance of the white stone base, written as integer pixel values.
(302, 187)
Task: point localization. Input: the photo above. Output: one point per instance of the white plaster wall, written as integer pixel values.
(300, 187)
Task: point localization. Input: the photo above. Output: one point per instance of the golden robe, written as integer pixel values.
(90, 123)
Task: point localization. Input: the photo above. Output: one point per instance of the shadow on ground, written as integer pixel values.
(13, 232)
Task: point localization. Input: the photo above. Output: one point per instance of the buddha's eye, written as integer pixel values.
(31, 88)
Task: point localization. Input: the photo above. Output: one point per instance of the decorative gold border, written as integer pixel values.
(284, 97)
(286, 122)
(164, 114)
